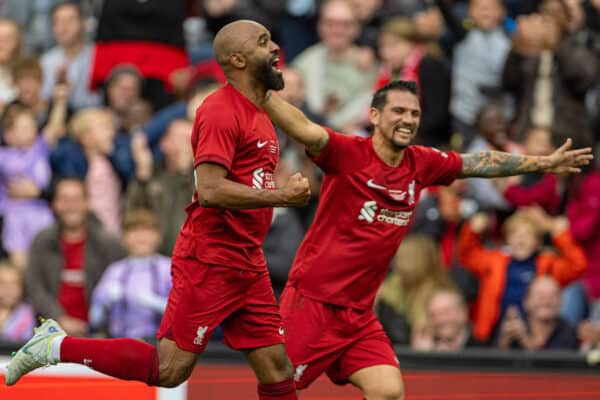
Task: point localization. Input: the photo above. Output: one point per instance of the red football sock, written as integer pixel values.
(127, 359)
(285, 390)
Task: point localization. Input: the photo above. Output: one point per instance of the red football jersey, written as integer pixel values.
(365, 209)
(231, 131)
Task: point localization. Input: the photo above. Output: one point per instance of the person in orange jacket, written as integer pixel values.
(504, 275)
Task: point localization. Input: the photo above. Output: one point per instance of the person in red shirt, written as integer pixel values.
(369, 192)
(218, 267)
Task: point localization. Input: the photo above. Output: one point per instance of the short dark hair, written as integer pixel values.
(380, 97)
(72, 3)
(67, 178)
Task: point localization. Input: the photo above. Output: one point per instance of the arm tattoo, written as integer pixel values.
(492, 164)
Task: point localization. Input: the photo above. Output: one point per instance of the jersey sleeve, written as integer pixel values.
(215, 136)
(439, 167)
(336, 157)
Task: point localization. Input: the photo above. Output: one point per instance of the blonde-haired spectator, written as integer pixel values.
(95, 129)
(417, 273)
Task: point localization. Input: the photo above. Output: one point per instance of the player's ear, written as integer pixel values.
(238, 61)
(374, 116)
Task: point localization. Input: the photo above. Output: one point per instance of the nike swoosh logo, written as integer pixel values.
(260, 144)
(28, 346)
(373, 185)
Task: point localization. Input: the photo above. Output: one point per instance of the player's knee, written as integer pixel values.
(281, 367)
(173, 373)
(272, 365)
(389, 391)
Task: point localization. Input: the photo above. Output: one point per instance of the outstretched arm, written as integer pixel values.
(493, 164)
(296, 124)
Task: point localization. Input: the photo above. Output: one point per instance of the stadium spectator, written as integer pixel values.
(218, 13)
(156, 127)
(33, 18)
(583, 211)
(338, 78)
(123, 90)
(492, 134)
(70, 61)
(10, 49)
(16, 316)
(371, 15)
(479, 55)
(25, 173)
(440, 214)
(166, 190)
(402, 300)
(541, 189)
(67, 259)
(148, 35)
(448, 327)
(549, 73)
(406, 55)
(540, 327)
(94, 130)
(505, 275)
(131, 296)
(27, 78)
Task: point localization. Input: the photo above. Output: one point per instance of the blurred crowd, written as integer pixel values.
(98, 99)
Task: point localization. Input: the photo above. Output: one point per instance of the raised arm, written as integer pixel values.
(493, 164)
(56, 126)
(216, 191)
(296, 124)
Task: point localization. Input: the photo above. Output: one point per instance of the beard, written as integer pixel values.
(268, 77)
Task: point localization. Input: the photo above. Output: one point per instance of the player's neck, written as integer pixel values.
(253, 92)
(386, 153)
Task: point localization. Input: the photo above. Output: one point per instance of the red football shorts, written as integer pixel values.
(339, 341)
(203, 297)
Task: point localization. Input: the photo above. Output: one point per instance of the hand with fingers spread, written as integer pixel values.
(565, 161)
(296, 191)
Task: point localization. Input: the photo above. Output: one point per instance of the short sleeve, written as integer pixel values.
(215, 136)
(338, 155)
(440, 168)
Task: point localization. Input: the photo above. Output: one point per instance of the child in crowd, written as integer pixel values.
(132, 294)
(25, 172)
(504, 275)
(16, 317)
(95, 130)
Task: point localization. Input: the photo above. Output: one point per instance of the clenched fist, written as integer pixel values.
(296, 191)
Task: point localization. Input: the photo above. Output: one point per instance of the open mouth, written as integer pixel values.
(274, 64)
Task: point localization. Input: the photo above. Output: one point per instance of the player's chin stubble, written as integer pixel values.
(270, 79)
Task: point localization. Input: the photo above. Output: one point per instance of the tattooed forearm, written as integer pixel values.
(491, 164)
